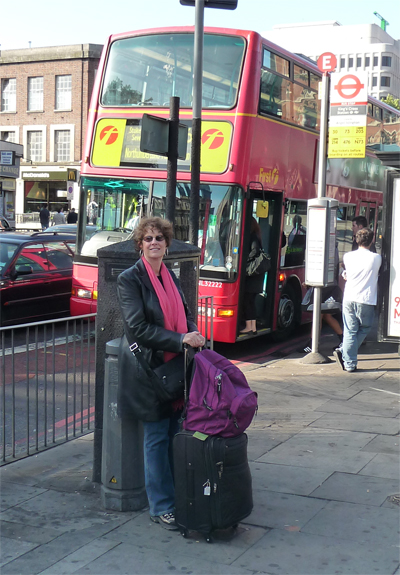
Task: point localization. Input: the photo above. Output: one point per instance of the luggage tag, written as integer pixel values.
(207, 488)
(199, 435)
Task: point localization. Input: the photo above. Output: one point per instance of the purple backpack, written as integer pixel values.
(220, 399)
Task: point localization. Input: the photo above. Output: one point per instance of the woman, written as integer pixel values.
(156, 317)
(254, 283)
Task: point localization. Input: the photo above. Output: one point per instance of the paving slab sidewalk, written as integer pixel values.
(325, 460)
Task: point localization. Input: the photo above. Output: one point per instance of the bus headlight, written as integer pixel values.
(205, 310)
(84, 293)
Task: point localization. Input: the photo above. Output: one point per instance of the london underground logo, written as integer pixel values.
(109, 134)
(212, 138)
(349, 86)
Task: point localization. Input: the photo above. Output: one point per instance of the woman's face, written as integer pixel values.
(153, 244)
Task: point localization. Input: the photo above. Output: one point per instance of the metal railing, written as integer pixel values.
(47, 379)
(29, 218)
(205, 319)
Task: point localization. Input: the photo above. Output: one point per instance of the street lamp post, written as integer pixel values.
(195, 158)
(196, 123)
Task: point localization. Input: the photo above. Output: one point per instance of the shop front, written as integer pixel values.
(10, 155)
(46, 188)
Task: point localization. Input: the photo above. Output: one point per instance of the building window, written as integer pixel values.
(8, 137)
(385, 82)
(35, 145)
(342, 62)
(9, 95)
(62, 146)
(374, 81)
(367, 61)
(35, 94)
(386, 61)
(63, 92)
(351, 62)
(376, 61)
(359, 62)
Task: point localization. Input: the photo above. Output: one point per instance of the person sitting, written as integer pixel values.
(156, 317)
(295, 251)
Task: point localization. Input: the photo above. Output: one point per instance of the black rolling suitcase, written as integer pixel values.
(212, 482)
(213, 487)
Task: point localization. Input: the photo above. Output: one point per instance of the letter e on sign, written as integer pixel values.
(327, 62)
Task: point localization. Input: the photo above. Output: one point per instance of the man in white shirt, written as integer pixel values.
(359, 298)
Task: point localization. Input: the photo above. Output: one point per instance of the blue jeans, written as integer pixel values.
(357, 321)
(158, 464)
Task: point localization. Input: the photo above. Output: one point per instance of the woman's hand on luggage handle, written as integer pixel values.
(194, 339)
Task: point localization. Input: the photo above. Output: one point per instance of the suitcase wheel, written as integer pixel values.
(184, 533)
(208, 537)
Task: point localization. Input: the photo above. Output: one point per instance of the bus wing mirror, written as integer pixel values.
(262, 209)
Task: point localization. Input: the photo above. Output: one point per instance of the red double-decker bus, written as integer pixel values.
(259, 158)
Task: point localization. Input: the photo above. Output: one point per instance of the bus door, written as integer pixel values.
(266, 209)
(369, 210)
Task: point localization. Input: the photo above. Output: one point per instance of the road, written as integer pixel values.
(54, 389)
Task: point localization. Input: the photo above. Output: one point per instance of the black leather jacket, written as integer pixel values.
(144, 324)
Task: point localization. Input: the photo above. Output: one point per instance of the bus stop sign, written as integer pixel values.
(221, 4)
(327, 62)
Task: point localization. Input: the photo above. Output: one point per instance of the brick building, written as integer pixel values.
(45, 96)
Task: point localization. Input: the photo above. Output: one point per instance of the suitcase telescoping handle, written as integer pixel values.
(187, 356)
(185, 373)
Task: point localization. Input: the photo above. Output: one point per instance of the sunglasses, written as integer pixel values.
(149, 239)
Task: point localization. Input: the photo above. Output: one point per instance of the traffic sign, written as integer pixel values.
(348, 116)
(327, 62)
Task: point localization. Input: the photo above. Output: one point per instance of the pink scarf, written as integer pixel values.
(170, 301)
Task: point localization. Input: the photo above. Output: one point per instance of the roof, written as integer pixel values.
(12, 237)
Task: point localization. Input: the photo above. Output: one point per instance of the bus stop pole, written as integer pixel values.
(196, 122)
(172, 164)
(316, 329)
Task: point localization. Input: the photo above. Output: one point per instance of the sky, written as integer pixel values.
(24, 24)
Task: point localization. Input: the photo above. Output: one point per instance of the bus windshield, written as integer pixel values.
(148, 70)
(115, 207)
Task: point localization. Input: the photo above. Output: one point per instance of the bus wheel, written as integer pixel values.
(286, 320)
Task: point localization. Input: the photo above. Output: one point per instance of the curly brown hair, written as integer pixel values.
(159, 224)
(364, 237)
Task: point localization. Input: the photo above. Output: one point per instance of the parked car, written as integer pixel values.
(5, 225)
(35, 277)
(67, 229)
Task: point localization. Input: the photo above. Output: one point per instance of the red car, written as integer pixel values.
(35, 277)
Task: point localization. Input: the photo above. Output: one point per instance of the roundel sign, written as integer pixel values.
(347, 87)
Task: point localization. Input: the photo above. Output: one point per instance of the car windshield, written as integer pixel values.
(7, 251)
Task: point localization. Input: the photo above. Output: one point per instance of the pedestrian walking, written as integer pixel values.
(72, 216)
(359, 223)
(44, 216)
(58, 218)
(359, 298)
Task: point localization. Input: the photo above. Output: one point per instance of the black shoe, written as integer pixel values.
(167, 521)
(339, 358)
